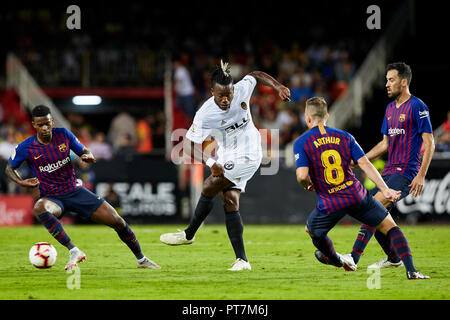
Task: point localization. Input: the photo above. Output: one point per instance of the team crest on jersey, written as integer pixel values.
(194, 127)
(62, 147)
(229, 165)
(243, 105)
(402, 117)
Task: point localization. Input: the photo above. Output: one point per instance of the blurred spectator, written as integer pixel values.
(7, 127)
(122, 128)
(7, 146)
(344, 68)
(299, 88)
(99, 147)
(159, 131)
(443, 141)
(144, 134)
(184, 89)
(270, 119)
(84, 135)
(125, 148)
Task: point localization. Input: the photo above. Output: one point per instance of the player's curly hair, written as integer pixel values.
(40, 111)
(221, 75)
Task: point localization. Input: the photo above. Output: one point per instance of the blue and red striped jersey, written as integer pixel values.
(51, 163)
(327, 152)
(404, 126)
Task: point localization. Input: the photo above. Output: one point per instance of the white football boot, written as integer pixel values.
(75, 256)
(148, 264)
(240, 265)
(348, 262)
(385, 263)
(175, 239)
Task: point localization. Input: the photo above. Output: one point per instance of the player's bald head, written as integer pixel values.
(316, 108)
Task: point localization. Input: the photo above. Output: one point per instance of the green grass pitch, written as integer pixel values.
(282, 258)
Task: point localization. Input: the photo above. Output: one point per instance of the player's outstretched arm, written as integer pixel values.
(12, 174)
(267, 80)
(373, 174)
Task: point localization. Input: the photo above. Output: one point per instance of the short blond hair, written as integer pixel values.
(317, 108)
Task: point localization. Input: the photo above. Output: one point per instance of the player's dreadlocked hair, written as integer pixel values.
(221, 75)
(39, 111)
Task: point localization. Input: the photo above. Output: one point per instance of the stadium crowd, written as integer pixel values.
(121, 51)
(129, 48)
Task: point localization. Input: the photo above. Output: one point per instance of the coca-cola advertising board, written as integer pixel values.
(16, 210)
(433, 204)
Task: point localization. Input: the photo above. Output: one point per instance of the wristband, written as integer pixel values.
(210, 162)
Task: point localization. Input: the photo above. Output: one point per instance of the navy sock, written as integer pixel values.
(401, 247)
(365, 233)
(235, 229)
(202, 210)
(386, 245)
(129, 238)
(325, 245)
(55, 228)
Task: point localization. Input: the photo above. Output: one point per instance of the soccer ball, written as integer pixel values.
(43, 255)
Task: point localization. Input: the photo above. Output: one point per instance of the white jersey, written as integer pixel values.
(239, 142)
(233, 129)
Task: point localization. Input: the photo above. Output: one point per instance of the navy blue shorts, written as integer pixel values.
(369, 211)
(81, 201)
(396, 182)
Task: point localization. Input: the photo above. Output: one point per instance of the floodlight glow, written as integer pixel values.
(86, 100)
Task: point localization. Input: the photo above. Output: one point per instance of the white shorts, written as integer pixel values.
(240, 169)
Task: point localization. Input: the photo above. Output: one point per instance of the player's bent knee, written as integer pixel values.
(43, 205)
(311, 234)
(387, 224)
(230, 202)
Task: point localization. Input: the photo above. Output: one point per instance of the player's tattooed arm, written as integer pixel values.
(15, 176)
(267, 80)
(87, 156)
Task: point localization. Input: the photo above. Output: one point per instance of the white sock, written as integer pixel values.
(142, 259)
(74, 249)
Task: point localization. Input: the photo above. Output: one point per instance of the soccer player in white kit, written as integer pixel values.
(226, 117)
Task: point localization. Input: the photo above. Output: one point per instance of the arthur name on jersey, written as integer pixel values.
(326, 140)
(54, 166)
